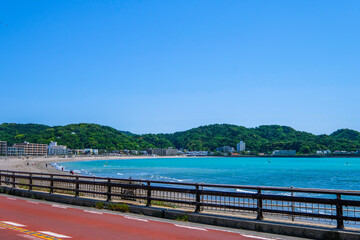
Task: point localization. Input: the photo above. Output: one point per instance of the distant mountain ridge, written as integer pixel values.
(259, 139)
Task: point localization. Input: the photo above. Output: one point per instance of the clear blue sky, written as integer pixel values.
(165, 66)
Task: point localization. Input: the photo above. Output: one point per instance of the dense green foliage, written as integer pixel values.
(260, 139)
(264, 139)
(75, 136)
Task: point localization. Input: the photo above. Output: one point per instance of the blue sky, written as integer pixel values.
(166, 66)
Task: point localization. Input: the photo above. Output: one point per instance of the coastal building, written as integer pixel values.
(54, 149)
(32, 148)
(284, 153)
(226, 149)
(15, 151)
(197, 153)
(323, 152)
(240, 146)
(91, 151)
(338, 152)
(134, 152)
(163, 151)
(88, 151)
(3, 147)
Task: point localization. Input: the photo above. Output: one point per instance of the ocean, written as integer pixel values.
(326, 173)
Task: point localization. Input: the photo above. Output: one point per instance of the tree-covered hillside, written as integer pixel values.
(260, 139)
(74, 136)
(263, 139)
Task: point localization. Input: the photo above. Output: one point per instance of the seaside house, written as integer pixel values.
(284, 153)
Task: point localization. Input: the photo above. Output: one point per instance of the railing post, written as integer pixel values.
(30, 182)
(339, 212)
(197, 200)
(292, 206)
(148, 199)
(77, 187)
(0, 177)
(51, 184)
(109, 190)
(260, 215)
(13, 180)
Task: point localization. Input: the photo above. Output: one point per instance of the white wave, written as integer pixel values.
(120, 174)
(243, 191)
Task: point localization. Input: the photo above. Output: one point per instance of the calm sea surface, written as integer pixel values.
(328, 173)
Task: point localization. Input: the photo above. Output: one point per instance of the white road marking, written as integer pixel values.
(14, 224)
(33, 202)
(189, 227)
(59, 206)
(93, 212)
(28, 237)
(137, 219)
(54, 234)
(257, 237)
(11, 198)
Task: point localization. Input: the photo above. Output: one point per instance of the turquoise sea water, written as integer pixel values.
(327, 173)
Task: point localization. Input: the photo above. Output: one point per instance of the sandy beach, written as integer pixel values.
(43, 164)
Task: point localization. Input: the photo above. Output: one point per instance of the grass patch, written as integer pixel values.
(122, 207)
(99, 205)
(163, 204)
(182, 218)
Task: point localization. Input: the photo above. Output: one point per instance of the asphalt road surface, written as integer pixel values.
(22, 218)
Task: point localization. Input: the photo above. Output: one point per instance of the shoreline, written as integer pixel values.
(42, 164)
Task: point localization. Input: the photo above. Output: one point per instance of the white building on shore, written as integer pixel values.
(54, 149)
(240, 146)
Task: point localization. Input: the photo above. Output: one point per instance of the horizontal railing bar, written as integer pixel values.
(348, 218)
(351, 203)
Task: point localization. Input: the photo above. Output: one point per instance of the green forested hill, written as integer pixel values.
(74, 136)
(260, 139)
(264, 138)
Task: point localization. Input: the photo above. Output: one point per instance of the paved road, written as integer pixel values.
(30, 219)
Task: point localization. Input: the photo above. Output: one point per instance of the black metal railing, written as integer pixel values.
(339, 208)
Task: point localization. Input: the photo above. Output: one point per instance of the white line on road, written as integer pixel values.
(32, 202)
(137, 219)
(14, 224)
(257, 237)
(28, 237)
(54, 234)
(189, 227)
(11, 198)
(93, 212)
(59, 206)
